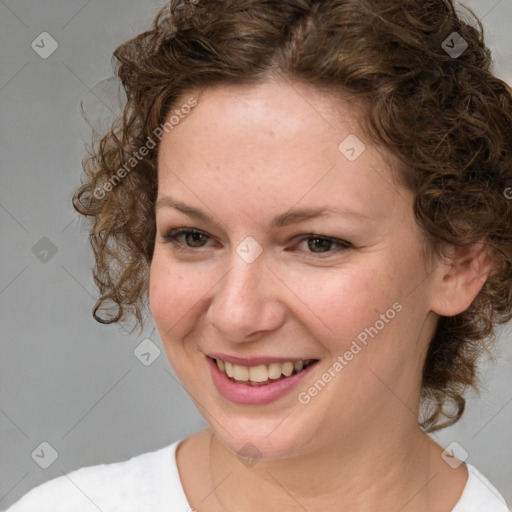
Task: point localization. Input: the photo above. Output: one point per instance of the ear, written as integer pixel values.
(460, 278)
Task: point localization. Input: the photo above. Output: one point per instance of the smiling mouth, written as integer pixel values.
(262, 374)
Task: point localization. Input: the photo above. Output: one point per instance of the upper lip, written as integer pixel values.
(255, 361)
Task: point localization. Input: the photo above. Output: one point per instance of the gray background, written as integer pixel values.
(65, 379)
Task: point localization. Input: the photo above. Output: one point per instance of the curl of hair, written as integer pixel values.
(447, 120)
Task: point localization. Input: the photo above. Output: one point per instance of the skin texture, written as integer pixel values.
(245, 155)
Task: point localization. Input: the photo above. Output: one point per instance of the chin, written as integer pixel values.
(265, 439)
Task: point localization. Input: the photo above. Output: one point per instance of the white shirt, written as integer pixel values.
(150, 482)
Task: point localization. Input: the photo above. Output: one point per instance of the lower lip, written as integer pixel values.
(247, 394)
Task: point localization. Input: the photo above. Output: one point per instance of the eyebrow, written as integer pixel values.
(282, 220)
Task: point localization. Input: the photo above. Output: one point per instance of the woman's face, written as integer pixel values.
(306, 250)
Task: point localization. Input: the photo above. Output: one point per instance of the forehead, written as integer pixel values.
(278, 103)
(276, 137)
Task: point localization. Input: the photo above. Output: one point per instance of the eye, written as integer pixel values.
(188, 239)
(193, 238)
(318, 244)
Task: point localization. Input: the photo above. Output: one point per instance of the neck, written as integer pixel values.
(392, 470)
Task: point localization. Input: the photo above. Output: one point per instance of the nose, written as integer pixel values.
(246, 302)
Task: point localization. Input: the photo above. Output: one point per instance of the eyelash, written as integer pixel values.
(174, 234)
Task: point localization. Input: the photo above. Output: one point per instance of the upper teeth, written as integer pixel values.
(262, 372)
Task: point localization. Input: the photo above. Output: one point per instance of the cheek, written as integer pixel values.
(173, 295)
(338, 305)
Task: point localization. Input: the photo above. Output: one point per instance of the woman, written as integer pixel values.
(311, 196)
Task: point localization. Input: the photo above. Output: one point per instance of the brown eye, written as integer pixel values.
(324, 245)
(319, 244)
(192, 238)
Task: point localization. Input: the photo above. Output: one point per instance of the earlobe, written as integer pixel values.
(460, 279)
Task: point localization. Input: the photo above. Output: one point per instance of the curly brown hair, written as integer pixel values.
(445, 117)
